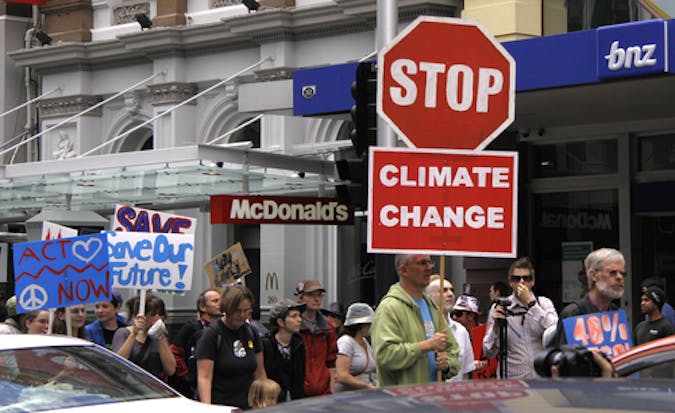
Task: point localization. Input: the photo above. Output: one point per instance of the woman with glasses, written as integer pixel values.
(78, 317)
(229, 352)
(144, 342)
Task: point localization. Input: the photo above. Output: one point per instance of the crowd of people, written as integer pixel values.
(420, 332)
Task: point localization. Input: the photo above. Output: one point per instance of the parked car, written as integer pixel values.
(41, 373)
(652, 359)
(566, 395)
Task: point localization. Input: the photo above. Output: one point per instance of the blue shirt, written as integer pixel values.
(430, 330)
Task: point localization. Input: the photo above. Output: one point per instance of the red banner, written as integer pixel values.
(432, 201)
(235, 209)
(34, 2)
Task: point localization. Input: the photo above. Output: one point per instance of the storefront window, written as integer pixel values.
(656, 153)
(576, 158)
(567, 226)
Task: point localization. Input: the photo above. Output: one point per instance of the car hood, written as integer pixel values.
(536, 396)
(169, 404)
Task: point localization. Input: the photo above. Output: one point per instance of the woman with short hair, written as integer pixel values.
(229, 353)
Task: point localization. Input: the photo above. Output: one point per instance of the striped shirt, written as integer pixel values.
(524, 335)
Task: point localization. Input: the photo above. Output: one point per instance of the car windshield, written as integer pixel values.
(45, 378)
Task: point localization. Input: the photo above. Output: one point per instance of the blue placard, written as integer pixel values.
(608, 331)
(61, 272)
(631, 49)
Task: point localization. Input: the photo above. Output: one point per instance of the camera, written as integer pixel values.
(501, 301)
(571, 361)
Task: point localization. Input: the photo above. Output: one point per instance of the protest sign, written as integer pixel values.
(61, 272)
(228, 267)
(51, 230)
(143, 260)
(607, 331)
(132, 219)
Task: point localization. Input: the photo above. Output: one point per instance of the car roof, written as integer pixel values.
(646, 349)
(522, 396)
(27, 341)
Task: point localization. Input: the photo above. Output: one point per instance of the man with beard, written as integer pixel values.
(184, 344)
(605, 268)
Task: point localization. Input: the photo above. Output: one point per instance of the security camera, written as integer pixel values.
(525, 133)
(541, 131)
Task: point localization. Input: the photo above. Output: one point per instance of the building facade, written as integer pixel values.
(207, 67)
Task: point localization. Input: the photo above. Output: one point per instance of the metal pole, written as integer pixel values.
(387, 28)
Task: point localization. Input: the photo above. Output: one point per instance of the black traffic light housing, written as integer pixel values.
(355, 191)
(364, 111)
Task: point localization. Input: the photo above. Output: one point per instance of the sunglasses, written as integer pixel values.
(518, 278)
(458, 313)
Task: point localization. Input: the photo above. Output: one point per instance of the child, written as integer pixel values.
(263, 393)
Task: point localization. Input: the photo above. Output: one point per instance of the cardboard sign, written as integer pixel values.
(61, 272)
(442, 202)
(608, 332)
(228, 267)
(132, 219)
(145, 261)
(51, 230)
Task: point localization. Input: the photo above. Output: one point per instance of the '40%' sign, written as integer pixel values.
(607, 332)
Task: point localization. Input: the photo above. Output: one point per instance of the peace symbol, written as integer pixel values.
(33, 297)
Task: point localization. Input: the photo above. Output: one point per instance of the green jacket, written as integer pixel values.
(396, 330)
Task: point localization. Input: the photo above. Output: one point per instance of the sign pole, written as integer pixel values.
(441, 299)
(387, 28)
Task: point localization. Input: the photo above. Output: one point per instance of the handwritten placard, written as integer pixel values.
(228, 267)
(128, 218)
(61, 272)
(51, 230)
(143, 260)
(608, 332)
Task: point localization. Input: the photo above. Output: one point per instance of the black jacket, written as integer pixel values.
(290, 374)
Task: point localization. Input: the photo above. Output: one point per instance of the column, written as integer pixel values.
(68, 20)
(72, 138)
(175, 128)
(170, 13)
(518, 19)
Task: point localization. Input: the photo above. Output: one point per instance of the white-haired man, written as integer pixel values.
(460, 332)
(606, 271)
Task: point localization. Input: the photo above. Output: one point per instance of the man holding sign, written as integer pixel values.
(606, 272)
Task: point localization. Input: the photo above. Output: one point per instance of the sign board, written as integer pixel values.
(145, 260)
(4, 248)
(51, 230)
(608, 332)
(129, 218)
(228, 267)
(61, 272)
(235, 209)
(446, 83)
(442, 202)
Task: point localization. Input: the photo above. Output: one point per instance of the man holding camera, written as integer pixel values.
(521, 319)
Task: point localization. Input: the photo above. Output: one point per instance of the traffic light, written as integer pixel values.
(364, 111)
(355, 191)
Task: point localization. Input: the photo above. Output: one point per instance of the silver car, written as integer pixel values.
(40, 373)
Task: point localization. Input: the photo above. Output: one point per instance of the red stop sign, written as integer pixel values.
(446, 83)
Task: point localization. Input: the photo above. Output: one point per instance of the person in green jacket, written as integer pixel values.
(409, 343)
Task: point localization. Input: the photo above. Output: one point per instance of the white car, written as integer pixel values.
(40, 373)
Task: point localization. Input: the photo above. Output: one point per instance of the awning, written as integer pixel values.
(180, 177)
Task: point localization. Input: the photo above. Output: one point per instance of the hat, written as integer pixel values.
(308, 286)
(656, 295)
(467, 303)
(281, 309)
(359, 313)
(334, 310)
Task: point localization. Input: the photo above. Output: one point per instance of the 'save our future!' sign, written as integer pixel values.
(435, 201)
(81, 270)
